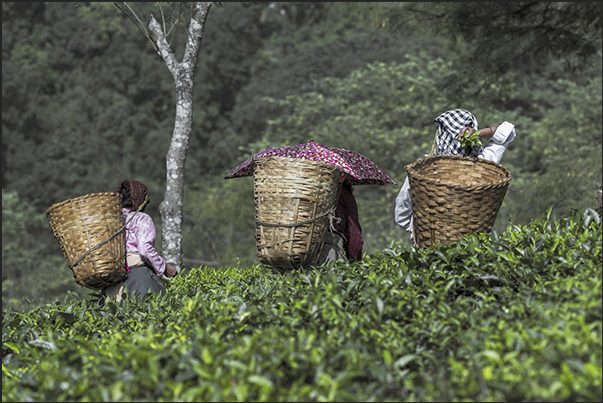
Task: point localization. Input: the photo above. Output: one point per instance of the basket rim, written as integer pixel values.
(70, 200)
(295, 160)
(411, 170)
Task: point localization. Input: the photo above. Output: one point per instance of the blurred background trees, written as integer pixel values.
(86, 102)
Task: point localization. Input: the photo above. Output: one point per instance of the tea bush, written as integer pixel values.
(514, 316)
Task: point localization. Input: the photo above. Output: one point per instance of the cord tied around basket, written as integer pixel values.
(330, 213)
(333, 217)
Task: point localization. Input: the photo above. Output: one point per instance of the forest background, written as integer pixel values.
(86, 102)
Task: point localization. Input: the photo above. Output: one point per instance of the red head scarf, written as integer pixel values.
(135, 194)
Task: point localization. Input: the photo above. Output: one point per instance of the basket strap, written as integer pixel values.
(95, 247)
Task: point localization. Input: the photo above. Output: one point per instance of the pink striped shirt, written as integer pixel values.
(140, 239)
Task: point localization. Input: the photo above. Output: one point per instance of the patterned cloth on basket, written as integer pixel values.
(359, 170)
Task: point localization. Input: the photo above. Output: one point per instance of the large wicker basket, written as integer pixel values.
(454, 196)
(293, 201)
(90, 232)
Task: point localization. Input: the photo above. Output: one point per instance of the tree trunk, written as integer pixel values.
(183, 73)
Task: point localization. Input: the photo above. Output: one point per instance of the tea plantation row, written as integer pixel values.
(509, 317)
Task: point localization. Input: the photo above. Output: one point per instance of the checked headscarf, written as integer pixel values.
(449, 125)
(135, 194)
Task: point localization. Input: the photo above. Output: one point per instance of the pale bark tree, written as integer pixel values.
(183, 73)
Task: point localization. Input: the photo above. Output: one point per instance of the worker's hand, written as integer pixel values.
(170, 270)
(465, 132)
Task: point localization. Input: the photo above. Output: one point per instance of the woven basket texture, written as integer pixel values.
(79, 225)
(293, 200)
(454, 196)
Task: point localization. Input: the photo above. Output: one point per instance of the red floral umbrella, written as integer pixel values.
(358, 169)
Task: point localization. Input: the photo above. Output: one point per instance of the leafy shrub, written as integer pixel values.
(514, 316)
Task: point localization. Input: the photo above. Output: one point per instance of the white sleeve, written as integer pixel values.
(403, 207)
(494, 150)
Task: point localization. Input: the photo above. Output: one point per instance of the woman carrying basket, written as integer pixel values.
(145, 265)
(452, 125)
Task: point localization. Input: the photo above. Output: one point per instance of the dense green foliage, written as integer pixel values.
(21, 255)
(87, 102)
(514, 316)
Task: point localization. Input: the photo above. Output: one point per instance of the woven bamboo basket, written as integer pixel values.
(89, 230)
(454, 196)
(293, 200)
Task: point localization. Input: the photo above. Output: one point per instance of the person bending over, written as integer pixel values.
(145, 265)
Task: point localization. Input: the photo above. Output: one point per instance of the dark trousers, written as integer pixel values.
(141, 280)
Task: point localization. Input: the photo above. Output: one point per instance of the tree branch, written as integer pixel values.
(195, 33)
(131, 14)
(163, 47)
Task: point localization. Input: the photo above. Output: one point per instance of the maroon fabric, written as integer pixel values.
(134, 193)
(349, 226)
